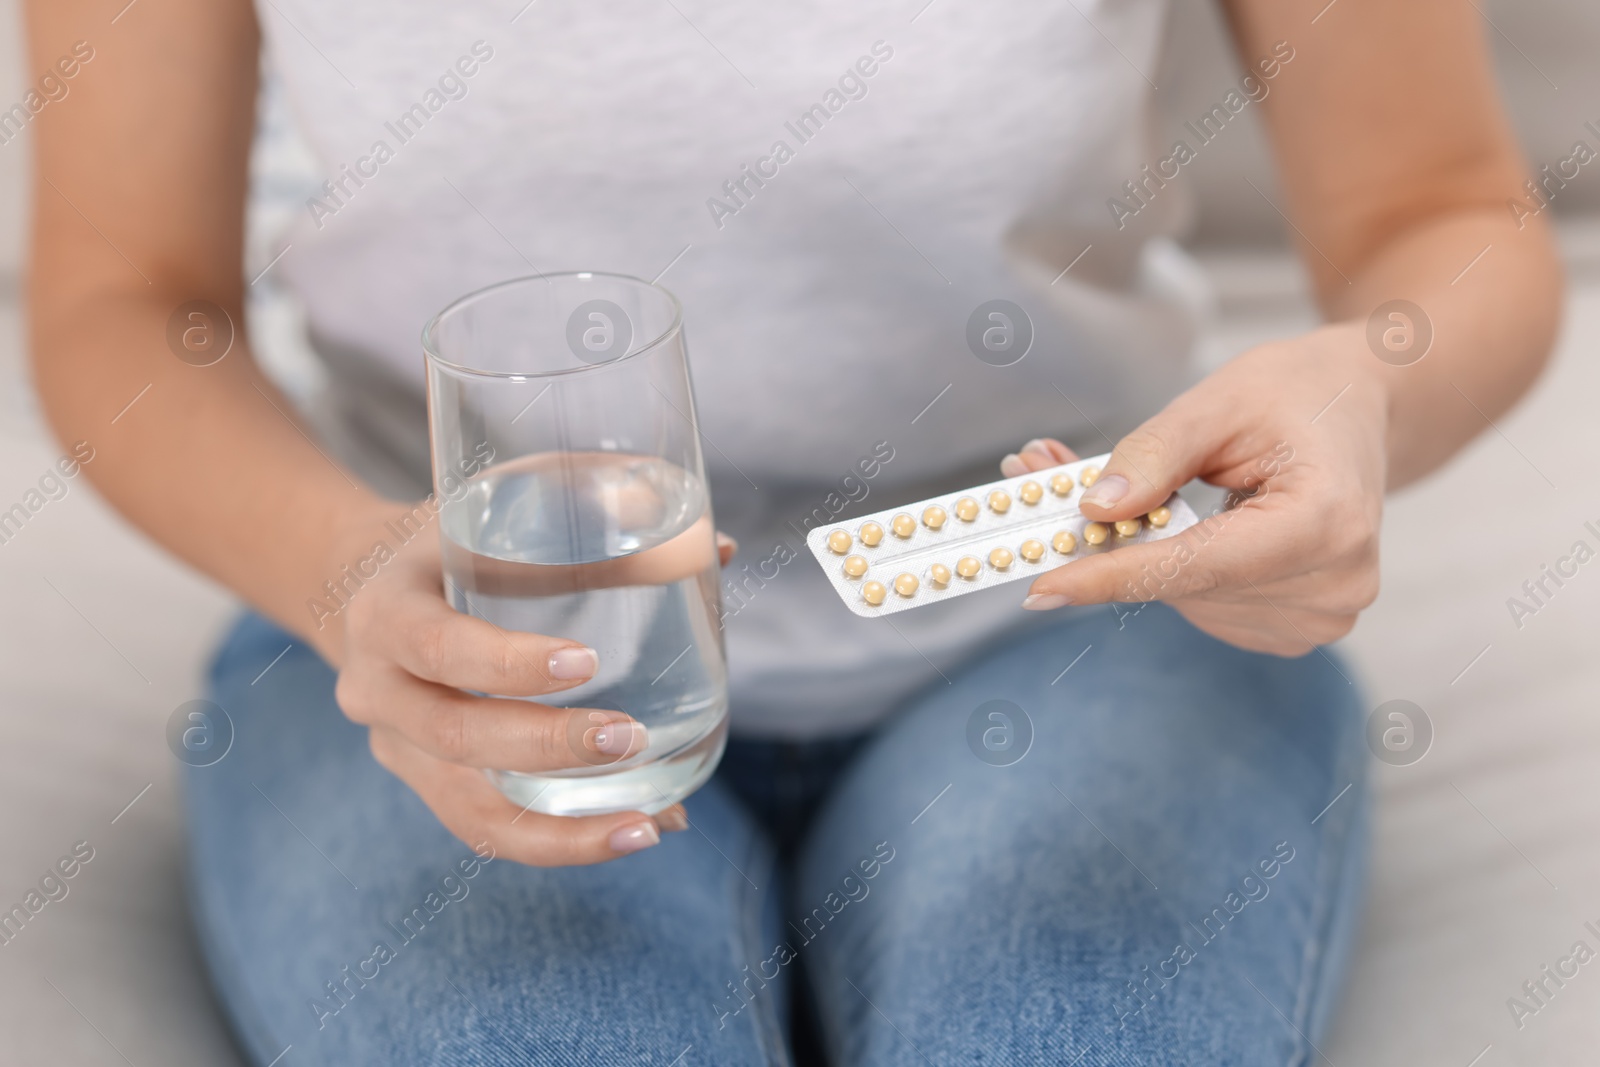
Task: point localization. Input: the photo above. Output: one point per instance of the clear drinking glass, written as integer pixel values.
(567, 464)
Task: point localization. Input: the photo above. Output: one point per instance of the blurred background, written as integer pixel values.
(1486, 867)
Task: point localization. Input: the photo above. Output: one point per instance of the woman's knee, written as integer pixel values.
(1143, 792)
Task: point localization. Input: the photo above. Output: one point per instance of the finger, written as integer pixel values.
(673, 819)
(1052, 450)
(510, 735)
(1335, 589)
(1036, 455)
(726, 547)
(429, 639)
(1249, 544)
(1270, 627)
(1149, 464)
(470, 807)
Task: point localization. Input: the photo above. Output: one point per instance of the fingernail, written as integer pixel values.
(1038, 445)
(1012, 466)
(1106, 492)
(673, 819)
(569, 664)
(617, 738)
(633, 837)
(1044, 601)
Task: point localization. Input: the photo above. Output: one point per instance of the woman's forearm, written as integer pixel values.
(207, 460)
(1489, 293)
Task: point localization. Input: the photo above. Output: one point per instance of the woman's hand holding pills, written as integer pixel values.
(1296, 430)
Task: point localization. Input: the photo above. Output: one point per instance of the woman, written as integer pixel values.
(1170, 872)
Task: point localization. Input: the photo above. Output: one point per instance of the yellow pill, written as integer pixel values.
(906, 585)
(1061, 484)
(903, 525)
(1001, 558)
(1030, 492)
(1000, 501)
(1160, 517)
(1088, 476)
(855, 566)
(870, 533)
(1064, 542)
(939, 575)
(839, 541)
(933, 516)
(1127, 527)
(1096, 533)
(966, 509)
(968, 566)
(873, 593)
(1031, 550)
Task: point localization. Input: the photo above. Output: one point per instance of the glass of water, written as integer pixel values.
(567, 464)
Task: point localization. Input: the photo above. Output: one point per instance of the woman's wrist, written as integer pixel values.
(1370, 386)
(354, 529)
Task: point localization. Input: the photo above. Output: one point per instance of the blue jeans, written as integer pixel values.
(1153, 858)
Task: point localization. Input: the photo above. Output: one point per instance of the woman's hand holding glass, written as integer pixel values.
(409, 666)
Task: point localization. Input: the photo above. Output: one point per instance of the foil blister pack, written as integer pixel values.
(957, 543)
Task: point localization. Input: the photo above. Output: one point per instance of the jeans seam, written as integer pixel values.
(763, 1020)
(1332, 863)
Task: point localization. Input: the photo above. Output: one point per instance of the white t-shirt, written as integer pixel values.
(930, 161)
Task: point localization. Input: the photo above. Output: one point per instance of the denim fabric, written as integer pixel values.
(1169, 874)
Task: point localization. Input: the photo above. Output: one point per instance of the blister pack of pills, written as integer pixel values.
(958, 543)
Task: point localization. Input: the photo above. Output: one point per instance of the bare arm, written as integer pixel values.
(1398, 164)
(140, 203)
(1398, 167)
(140, 182)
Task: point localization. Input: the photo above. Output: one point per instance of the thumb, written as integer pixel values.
(1149, 465)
